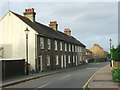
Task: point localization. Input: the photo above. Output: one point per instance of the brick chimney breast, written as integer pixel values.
(30, 14)
(67, 31)
(53, 25)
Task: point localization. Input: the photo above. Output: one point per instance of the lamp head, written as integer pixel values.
(27, 31)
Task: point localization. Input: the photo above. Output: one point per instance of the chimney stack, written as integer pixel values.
(67, 31)
(53, 25)
(30, 14)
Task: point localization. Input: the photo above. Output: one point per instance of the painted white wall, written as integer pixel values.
(13, 38)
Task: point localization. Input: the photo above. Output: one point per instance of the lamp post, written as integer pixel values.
(110, 43)
(110, 53)
(26, 32)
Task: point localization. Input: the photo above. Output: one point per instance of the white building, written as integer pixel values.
(13, 41)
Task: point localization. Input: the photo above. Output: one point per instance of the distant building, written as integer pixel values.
(97, 51)
(48, 48)
(88, 54)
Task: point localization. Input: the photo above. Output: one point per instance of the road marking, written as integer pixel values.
(43, 85)
(85, 86)
(64, 77)
(91, 68)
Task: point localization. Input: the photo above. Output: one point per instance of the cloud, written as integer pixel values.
(90, 22)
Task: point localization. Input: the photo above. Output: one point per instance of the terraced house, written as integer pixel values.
(48, 48)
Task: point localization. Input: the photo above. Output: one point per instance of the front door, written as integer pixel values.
(40, 63)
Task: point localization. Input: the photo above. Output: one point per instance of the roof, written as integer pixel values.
(87, 50)
(49, 32)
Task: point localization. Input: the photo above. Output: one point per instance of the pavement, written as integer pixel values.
(102, 79)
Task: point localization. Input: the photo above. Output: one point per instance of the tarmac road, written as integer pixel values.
(74, 78)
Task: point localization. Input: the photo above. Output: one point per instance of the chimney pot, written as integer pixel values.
(30, 14)
(53, 22)
(67, 31)
(53, 25)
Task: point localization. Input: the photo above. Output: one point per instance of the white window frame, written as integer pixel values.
(56, 45)
(60, 46)
(76, 60)
(49, 44)
(69, 48)
(73, 59)
(72, 48)
(65, 61)
(68, 58)
(65, 46)
(48, 60)
(57, 60)
(75, 48)
(80, 49)
(41, 42)
(40, 63)
(62, 62)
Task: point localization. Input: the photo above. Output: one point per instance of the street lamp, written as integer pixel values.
(110, 43)
(110, 53)
(26, 32)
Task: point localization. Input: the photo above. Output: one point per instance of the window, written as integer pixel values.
(72, 48)
(41, 42)
(76, 60)
(60, 46)
(49, 44)
(48, 60)
(55, 45)
(69, 48)
(75, 48)
(80, 58)
(61, 61)
(64, 60)
(65, 46)
(80, 49)
(57, 62)
(73, 59)
(69, 59)
(40, 63)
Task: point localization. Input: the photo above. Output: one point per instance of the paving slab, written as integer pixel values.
(102, 80)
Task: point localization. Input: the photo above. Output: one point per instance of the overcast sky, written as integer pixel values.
(90, 22)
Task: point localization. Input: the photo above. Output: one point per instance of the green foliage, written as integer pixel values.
(116, 75)
(115, 53)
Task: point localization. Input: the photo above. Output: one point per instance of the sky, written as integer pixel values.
(91, 22)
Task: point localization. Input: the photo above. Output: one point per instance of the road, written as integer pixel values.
(72, 78)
